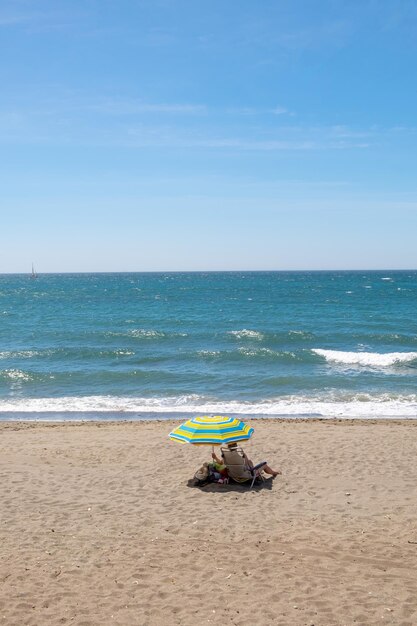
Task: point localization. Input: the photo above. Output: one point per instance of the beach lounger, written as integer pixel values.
(238, 468)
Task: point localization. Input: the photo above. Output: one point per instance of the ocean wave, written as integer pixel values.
(369, 359)
(373, 338)
(137, 333)
(255, 353)
(16, 375)
(268, 353)
(300, 334)
(292, 336)
(247, 334)
(145, 333)
(330, 405)
(24, 354)
(122, 353)
(79, 352)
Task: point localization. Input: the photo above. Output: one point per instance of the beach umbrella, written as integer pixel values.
(211, 430)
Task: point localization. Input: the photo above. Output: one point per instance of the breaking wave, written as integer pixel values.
(326, 406)
(369, 359)
(246, 334)
(16, 375)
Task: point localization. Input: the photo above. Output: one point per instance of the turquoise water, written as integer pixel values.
(251, 343)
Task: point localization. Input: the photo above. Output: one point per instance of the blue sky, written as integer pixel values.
(186, 135)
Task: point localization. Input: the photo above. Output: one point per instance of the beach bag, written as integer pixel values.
(210, 473)
(201, 477)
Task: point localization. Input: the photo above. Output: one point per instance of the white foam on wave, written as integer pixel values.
(257, 352)
(24, 354)
(17, 375)
(369, 359)
(144, 333)
(300, 333)
(209, 353)
(141, 332)
(138, 333)
(246, 334)
(363, 406)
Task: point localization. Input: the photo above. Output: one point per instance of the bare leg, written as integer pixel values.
(265, 468)
(269, 470)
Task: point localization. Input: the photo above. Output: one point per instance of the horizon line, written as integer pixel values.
(253, 271)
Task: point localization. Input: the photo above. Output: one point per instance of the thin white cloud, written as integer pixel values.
(76, 119)
(294, 36)
(241, 110)
(253, 145)
(302, 141)
(344, 132)
(44, 17)
(13, 18)
(280, 110)
(132, 107)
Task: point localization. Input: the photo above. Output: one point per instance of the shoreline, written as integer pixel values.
(111, 417)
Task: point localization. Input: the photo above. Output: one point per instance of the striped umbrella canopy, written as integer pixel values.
(211, 430)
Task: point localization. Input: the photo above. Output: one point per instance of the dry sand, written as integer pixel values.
(99, 526)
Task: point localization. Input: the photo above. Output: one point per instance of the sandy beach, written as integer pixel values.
(99, 525)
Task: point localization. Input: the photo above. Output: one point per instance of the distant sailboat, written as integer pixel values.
(34, 274)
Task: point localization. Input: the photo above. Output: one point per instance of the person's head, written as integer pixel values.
(232, 445)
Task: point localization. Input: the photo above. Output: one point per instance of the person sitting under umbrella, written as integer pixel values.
(234, 456)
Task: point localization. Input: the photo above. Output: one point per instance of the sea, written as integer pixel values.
(173, 345)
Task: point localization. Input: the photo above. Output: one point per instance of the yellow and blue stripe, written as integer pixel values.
(211, 430)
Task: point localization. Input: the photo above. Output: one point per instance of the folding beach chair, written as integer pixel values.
(238, 467)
